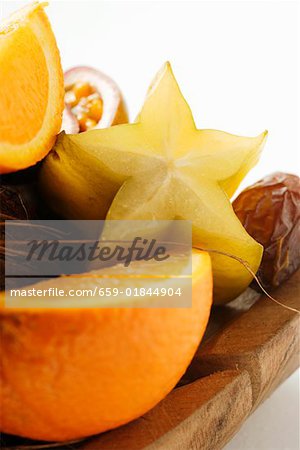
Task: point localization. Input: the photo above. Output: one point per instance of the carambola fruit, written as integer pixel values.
(161, 167)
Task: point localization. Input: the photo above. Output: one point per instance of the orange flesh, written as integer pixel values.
(93, 369)
(34, 73)
(86, 104)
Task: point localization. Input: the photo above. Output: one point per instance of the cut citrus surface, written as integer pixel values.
(31, 88)
(94, 369)
(163, 168)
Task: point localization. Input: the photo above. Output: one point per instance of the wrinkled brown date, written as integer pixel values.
(16, 202)
(270, 212)
(19, 200)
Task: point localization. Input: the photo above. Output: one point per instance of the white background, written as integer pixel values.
(236, 63)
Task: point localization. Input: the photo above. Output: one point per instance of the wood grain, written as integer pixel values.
(202, 415)
(264, 341)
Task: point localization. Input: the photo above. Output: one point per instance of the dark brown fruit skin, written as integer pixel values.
(15, 203)
(19, 200)
(270, 212)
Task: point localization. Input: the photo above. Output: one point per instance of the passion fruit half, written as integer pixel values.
(93, 99)
(69, 122)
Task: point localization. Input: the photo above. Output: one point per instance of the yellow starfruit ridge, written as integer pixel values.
(162, 167)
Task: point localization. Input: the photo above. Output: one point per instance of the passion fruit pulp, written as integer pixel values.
(93, 99)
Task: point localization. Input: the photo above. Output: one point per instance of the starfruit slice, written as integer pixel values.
(161, 167)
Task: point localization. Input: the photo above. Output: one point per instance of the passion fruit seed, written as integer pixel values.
(86, 124)
(82, 90)
(95, 107)
(70, 98)
(86, 104)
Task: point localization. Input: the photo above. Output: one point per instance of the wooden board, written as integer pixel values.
(251, 346)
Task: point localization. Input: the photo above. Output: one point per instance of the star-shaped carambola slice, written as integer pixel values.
(161, 167)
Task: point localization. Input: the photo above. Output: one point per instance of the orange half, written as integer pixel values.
(31, 88)
(73, 372)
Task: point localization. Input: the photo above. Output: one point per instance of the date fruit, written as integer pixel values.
(19, 200)
(270, 212)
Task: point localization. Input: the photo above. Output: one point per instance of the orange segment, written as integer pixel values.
(94, 369)
(35, 74)
(31, 89)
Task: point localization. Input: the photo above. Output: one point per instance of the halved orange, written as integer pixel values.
(31, 88)
(73, 372)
